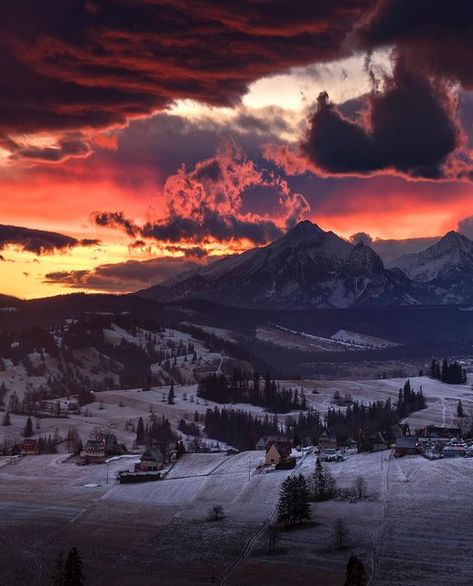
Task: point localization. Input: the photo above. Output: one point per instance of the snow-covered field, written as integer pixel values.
(413, 530)
(342, 340)
(441, 398)
(115, 408)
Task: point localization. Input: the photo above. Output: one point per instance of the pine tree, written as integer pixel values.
(460, 412)
(324, 482)
(293, 506)
(73, 575)
(356, 573)
(6, 419)
(28, 430)
(140, 432)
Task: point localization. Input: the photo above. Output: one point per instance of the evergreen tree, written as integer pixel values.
(324, 482)
(6, 419)
(28, 430)
(293, 505)
(73, 575)
(356, 573)
(140, 432)
(460, 412)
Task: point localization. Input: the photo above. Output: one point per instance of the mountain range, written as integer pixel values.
(311, 268)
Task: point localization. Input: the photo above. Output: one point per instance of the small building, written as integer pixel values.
(328, 440)
(276, 452)
(439, 433)
(94, 450)
(30, 447)
(405, 446)
(151, 461)
(266, 440)
(101, 447)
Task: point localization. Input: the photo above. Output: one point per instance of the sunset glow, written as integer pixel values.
(177, 152)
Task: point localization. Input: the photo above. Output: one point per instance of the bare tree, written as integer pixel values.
(340, 534)
(216, 513)
(359, 487)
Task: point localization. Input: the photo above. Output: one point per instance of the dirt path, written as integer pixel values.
(384, 466)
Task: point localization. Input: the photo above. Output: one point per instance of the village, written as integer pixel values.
(101, 465)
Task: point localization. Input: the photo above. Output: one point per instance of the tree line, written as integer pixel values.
(269, 395)
(449, 372)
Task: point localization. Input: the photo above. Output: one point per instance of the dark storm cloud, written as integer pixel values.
(435, 37)
(125, 276)
(115, 220)
(409, 128)
(66, 148)
(193, 252)
(211, 224)
(92, 64)
(39, 241)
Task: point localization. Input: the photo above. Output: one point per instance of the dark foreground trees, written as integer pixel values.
(69, 572)
(293, 504)
(356, 573)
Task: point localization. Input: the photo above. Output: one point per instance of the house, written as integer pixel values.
(94, 450)
(438, 433)
(104, 445)
(30, 447)
(328, 440)
(405, 446)
(265, 440)
(151, 461)
(277, 451)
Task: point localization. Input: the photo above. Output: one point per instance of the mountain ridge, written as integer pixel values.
(307, 267)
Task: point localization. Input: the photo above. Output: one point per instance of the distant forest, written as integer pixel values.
(449, 372)
(239, 389)
(357, 422)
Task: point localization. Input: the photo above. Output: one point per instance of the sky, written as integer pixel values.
(140, 138)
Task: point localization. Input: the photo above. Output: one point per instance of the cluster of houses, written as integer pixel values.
(431, 441)
(434, 442)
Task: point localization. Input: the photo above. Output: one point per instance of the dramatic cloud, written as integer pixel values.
(39, 241)
(68, 147)
(92, 64)
(408, 128)
(207, 202)
(116, 220)
(435, 37)
(123, 277)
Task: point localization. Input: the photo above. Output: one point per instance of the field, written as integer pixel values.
(115, 408)
(412, 530)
